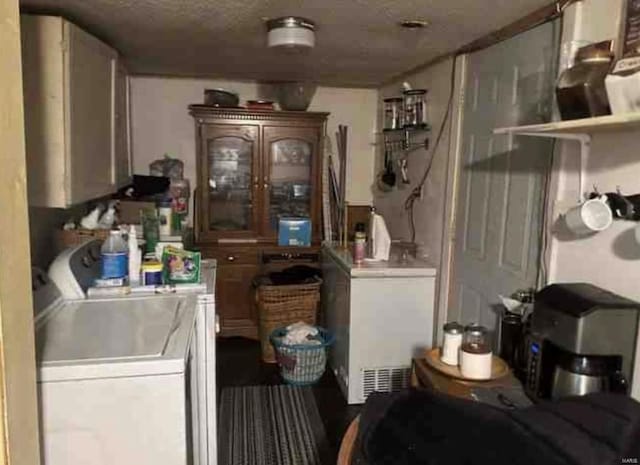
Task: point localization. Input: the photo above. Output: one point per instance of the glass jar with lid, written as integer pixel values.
(415, 108)
(476, 339)
(475, 353)
(393, 113)
(453, 332)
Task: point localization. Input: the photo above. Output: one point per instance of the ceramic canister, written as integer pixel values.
(475, 353)
(452, 342)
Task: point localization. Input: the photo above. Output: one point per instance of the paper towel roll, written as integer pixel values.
(380, 239)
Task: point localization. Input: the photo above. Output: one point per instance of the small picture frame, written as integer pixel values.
(628, 47)
(630, 25)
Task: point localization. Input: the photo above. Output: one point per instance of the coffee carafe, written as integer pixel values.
(582, 340)
(578, 375)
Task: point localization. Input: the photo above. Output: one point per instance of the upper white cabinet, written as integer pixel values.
(121, 124)
(76, 114)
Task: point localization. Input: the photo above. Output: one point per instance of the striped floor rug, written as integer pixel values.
(270, 425)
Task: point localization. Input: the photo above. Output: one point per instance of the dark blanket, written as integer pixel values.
(422, 427)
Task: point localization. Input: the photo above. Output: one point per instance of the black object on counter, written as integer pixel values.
(512, 341)
(144, 186)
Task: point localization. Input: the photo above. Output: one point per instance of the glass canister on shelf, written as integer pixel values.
(393, 113)
(581, 90)
(475, 353)
(415, 108)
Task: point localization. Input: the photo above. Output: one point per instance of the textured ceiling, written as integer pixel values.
(357, 41)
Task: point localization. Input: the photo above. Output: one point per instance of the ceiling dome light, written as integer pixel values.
(291, 31)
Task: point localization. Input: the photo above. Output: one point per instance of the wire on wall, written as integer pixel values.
(417, 191)
(545, 230)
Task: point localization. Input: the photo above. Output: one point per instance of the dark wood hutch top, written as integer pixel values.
(243, 114)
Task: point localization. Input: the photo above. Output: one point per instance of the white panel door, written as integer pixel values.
(498, 215)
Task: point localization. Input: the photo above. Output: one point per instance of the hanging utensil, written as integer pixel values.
(389, 176)
(404, 171)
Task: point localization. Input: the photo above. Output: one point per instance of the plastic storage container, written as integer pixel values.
(151, 273)
(114, 254)
(301, 364)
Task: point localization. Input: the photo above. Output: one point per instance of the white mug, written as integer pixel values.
(591, 216)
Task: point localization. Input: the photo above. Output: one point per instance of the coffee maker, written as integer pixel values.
(582, 340)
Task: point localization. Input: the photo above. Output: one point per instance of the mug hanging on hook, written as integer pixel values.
(591, 216)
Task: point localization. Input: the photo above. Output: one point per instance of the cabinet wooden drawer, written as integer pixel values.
(232, 256)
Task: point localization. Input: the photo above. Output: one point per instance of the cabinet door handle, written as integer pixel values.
(265, 181)
(255, 182)
(231, 258)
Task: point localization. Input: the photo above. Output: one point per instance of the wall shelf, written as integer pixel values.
(595, 125)
(580, 130)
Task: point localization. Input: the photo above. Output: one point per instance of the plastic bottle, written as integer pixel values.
(114, 256)
(359, 244)
(150, 229)
(108, 219)
(371, 236)
(164, 215)
(135, 257)
(91, 220)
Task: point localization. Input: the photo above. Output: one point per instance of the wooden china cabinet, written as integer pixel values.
(253, 167)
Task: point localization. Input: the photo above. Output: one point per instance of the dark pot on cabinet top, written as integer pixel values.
(221, 98)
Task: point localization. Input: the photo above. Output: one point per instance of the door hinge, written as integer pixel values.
(64, 45)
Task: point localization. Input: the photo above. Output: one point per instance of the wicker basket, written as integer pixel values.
(71, 237)
(280, 306)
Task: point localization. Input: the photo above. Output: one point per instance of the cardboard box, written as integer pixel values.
(294, 232)
(129, 210)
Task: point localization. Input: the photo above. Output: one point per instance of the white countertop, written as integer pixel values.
(393, 268)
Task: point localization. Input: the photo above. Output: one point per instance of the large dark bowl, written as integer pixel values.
(295, 96)
(221, 98)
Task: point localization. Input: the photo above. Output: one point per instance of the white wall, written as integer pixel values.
(428, 211)
(610, 259)
(161, 124)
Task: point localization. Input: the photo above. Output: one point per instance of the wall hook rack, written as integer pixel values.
(402, 138)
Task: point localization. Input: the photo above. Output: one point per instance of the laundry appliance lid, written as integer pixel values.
(115, 337)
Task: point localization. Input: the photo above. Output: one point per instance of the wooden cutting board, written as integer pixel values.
(499, 367)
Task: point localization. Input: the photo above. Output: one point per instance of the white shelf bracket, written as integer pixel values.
(585, 150)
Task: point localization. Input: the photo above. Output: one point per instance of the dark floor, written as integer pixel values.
(239, 364)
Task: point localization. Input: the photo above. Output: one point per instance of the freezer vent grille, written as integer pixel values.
(384, 380)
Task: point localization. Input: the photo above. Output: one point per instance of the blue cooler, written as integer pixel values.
(294, 232)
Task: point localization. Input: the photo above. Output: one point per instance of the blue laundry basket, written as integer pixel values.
(301, 364)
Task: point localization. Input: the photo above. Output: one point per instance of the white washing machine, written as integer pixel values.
(126, 380)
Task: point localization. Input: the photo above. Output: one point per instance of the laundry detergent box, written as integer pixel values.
(294, 231)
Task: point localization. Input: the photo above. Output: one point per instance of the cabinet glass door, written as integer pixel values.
(291, 172)
(230, 182)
